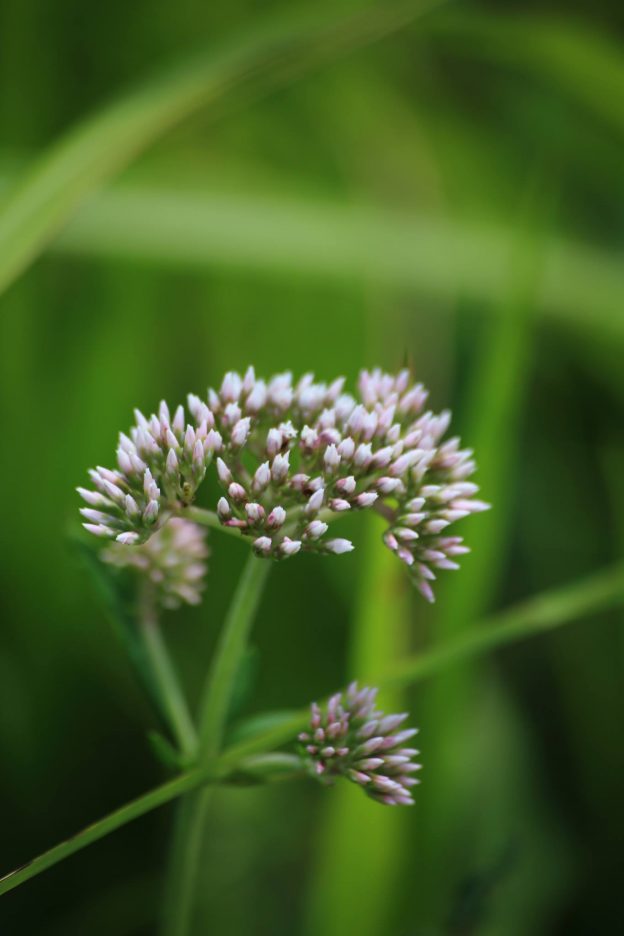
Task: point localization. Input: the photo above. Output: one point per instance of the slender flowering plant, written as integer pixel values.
(291, 457)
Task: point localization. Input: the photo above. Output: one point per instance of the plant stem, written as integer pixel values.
(115, 820)
(219, 685)
(208, 519)
(214, 707)
(170, 693)
(561, 606)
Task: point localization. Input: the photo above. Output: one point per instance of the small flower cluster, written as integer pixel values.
(173, 559)
(351, 739)
(160, 465)
(291, 457)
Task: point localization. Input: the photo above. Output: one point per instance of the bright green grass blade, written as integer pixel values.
(351, 891)
(430, 256)
(451, 705)
(103, 144)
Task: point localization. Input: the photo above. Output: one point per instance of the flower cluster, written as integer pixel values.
(160, 465)
(351, 739)
(173, 559)
(291, 457)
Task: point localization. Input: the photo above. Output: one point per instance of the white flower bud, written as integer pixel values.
(315, 502)
(289, 547)
(178, 420)
(366, 499)
(213, 441)
(237, 491)
(276, 518)
(363, 455)
(93, 497)
(262, 477)
(163, 413)
(225, 475)
(346, 485)
(97, 529)
(315, 529)
(339, 546)
(274, 442)
(257, 398)
(280, 468)
(172, 466)
(150, 514)
(132, 508)
(231, 387)
(124, 461)
(240, 432)
(255, 512)
(263, 545)
(128, 539)
(224, 510)
(331, 458)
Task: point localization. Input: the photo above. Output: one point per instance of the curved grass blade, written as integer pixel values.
(431, 256)
(105, 143)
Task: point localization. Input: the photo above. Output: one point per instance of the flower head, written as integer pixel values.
(349, 738)
(173, 559)
(292, 457)
(160, 465)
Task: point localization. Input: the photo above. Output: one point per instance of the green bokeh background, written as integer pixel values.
(453, 197)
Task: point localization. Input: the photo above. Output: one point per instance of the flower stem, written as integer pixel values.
(171, 697)
(208, 519)
(214, 707)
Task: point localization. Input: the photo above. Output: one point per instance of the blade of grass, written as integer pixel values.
(103, 144)
(501, 371)
(432, 256)
(349, 891)
(538, 615)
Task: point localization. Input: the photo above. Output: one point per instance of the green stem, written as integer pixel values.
(170, 693)
(538, 615)
(208, 519)
(115, 820)
(546, 612)
(214, 707)
(219, 686)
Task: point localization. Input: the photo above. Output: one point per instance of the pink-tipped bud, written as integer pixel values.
(237, 492)
(255, 513)
(276, 518)
(289, 547)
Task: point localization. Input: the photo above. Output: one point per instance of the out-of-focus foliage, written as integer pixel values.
(453, 197)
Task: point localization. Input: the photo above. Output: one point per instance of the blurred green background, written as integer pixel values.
(453, 196)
